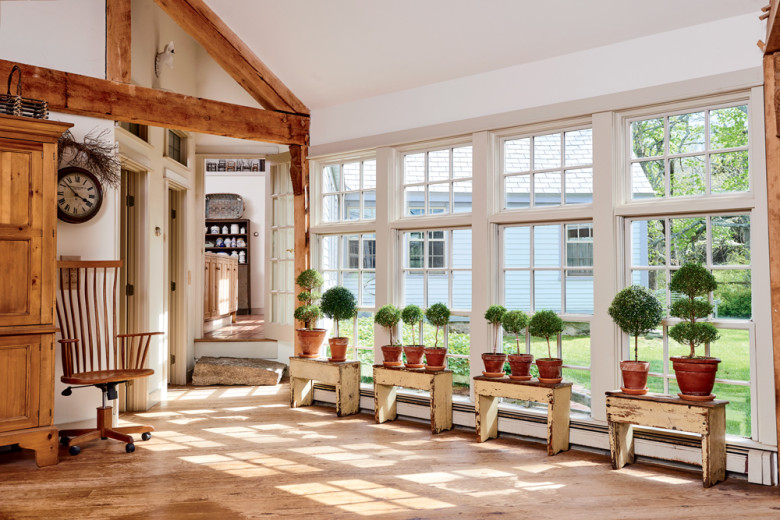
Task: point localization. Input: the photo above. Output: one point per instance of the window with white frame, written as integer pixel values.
(550, 267)
(690, 154)
(552, 169)
(350, 261)
(349, 191)
(721, 242)
(437, 182)
(282, 299)
(437, 269)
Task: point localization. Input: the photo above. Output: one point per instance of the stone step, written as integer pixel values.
(236, 371)
(255, 349)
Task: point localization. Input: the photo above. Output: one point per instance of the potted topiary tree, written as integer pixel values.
(413, 315)
(309, 338)
(338, 303)
(494, 361)
(515, 322)
(545, 324)
(388, 317)
(437, 315)
(695, 375)
(637, 311)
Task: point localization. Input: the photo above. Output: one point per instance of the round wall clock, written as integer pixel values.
(79, 195)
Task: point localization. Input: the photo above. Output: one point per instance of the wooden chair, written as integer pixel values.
(93, 354)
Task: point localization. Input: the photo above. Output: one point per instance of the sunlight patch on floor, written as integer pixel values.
(364, 497)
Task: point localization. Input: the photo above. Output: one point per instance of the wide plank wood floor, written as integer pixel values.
(240, 452)
(246, 327)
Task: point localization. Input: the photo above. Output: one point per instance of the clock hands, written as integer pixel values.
(75, 193)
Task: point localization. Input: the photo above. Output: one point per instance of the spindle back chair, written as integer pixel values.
(93, 351)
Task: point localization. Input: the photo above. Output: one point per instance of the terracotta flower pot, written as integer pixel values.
(338, 349)
(392, 355)
(435, 358)
(494, 364)
(414, 355)
(521, 366)
(550, 370)
(634, 377)
(311, 341)
(695, 377)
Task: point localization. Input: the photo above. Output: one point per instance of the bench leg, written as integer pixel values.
(621, 444)
(713, 449)
(348, 391)
(384, 403)
(486, 408)
(558, 421)
(441, 406)
(301, 392)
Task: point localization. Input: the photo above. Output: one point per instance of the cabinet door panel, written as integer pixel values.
(19, 381)
(20, 282)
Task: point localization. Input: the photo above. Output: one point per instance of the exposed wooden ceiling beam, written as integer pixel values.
(232, 54)
(93, 97)
(772, 28)
(118, 40)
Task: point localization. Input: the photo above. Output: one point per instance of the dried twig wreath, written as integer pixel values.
(96, 154)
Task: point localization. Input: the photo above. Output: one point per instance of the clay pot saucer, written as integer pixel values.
(633, 391)
(429, 367)
(414, 365)
(309, 356)
(520, 378)
(392, 363)
(336, 360)
(554, 381)
(493, 374)
(704, 398)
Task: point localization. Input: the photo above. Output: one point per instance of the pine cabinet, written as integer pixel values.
(220, 295)
(228, 231)
(28, 247)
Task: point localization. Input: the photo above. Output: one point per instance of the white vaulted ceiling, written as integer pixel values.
(330, 52)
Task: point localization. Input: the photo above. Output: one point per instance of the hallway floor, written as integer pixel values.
(246, 328)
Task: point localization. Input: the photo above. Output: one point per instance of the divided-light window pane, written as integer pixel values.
(548, 170)
(437, 182)
(693, 154)
(349, 192)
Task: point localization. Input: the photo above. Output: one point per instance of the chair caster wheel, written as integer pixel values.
(130, 448)
(74, 450)
(64, 441)
(146, 436)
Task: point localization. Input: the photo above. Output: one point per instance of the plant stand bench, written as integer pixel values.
(437, 382)
(345, 376)
(557, 396)
(706, 418)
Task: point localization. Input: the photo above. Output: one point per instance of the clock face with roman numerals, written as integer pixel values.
(79, 195)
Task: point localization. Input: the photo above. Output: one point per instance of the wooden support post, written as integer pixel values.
(771, 121)
(299, 175)
(558, 420)
(384, 403)
(118, 41)
(301, 392)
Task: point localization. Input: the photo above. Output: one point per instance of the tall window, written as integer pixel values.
(691, 154)
(177, 147)
(658, 246)
(437, 269)
(548, 170)
(349, 191)
(437, 182)
(550, 267)
(350, 261)
(282, 247)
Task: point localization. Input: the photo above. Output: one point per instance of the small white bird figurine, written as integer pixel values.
(163, 58)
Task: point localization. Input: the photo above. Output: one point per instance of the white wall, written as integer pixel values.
(252, 189)
(693, 52)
